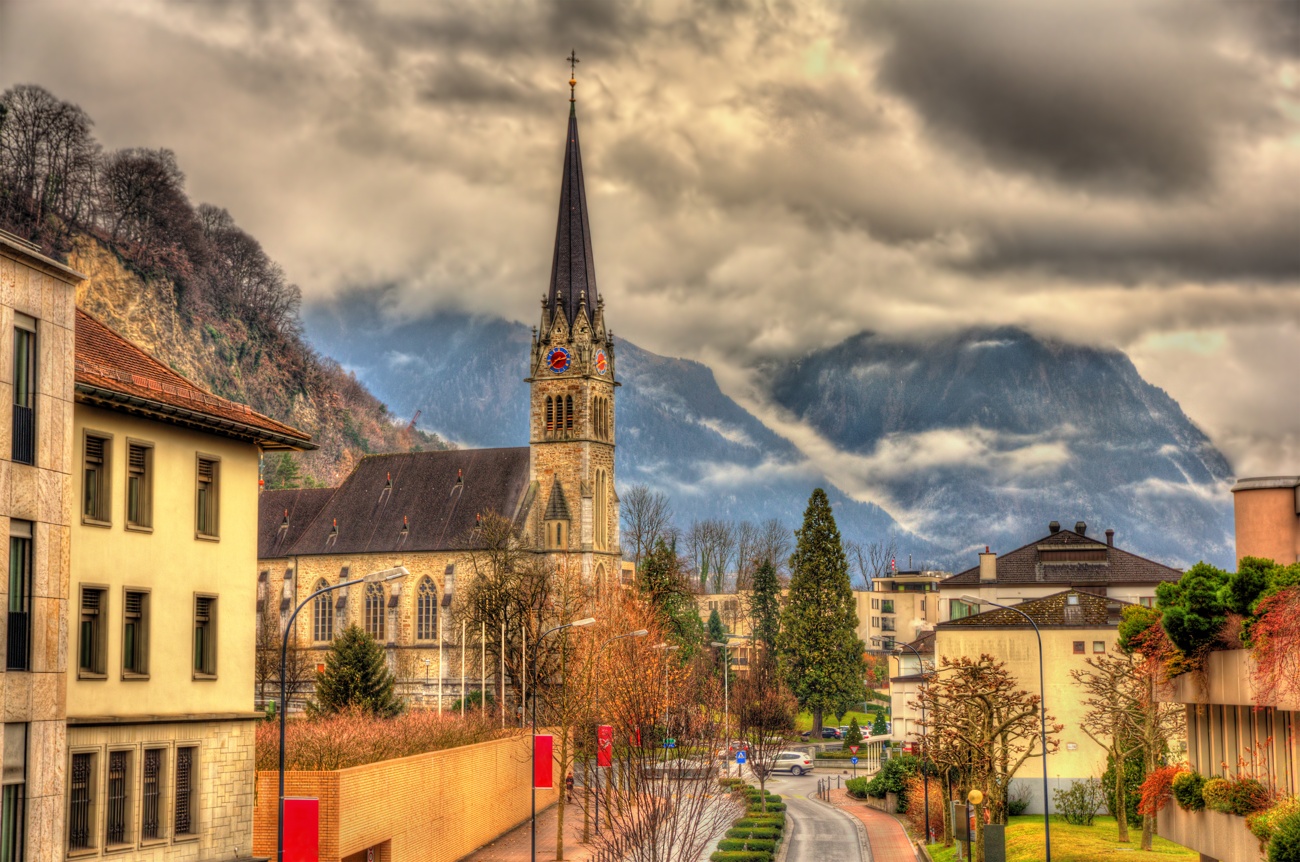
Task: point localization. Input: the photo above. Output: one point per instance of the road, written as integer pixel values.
(815, 832)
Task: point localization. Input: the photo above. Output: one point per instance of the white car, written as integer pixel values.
(794, 762)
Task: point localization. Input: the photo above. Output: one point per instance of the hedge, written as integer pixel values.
(766, 845)
(740, 856)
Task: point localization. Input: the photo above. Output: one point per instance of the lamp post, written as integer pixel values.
(726, 686)
(428, 663)
(1042, 707)
(373, 578)
(667, 649)
(925, 776)
(639, 633)
(536, 649)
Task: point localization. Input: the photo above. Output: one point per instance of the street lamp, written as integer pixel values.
(537, 647)
(667, 649)
(925, 776)
(373, 578)
(1042, 707)
(639, 633)
(726, 685)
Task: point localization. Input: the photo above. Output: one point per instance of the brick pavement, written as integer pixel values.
(885, 835)
(514, 845)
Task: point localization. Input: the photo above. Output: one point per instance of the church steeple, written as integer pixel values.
(573, 267)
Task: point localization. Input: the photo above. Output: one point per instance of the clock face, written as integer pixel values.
(558, 360)
(602, 362)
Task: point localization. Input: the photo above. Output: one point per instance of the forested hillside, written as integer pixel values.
(182, 281)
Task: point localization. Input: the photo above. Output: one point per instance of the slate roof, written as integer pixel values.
(1054, 611)
(112, 372)
(416, 501)
(1025, 565)
(282, 516)
(573, 267)
(557, 509)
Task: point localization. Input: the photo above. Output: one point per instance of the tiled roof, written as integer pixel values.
(418, 501)
(1025, 565)
(1054, 611)
(924, 644)
(112, 372)
(283, 515)
(573, 268)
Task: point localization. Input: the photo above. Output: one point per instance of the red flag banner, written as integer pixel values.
(543, 763)
(604, 745)
(301, 830)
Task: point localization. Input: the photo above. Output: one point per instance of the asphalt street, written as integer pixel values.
(815, 832)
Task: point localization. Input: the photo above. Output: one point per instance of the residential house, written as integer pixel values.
(899, 607)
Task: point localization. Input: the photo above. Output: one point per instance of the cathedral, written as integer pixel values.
(420, 509)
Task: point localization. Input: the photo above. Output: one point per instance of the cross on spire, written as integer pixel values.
(573, 72)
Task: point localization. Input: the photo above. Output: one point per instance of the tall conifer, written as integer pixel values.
(765, 608)
(356, 675)
(821, 655)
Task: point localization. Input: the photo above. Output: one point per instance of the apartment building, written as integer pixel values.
(899, 607)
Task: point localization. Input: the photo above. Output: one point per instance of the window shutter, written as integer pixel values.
(95, 450)
(135, 456)
(203, 609)
(206, 469)
(90, 601)
(134, 603)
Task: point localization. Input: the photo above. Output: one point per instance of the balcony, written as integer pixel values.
(887, 624)
(24, 435)
(886, 606)
(1212, 833)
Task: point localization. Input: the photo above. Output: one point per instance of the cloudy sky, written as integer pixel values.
(765, 177)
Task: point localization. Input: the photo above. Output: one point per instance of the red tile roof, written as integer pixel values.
(113, 372)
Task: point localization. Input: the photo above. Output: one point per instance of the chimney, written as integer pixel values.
(1054, 527)
(1110, 538)
(988, 566)
(1081, 528)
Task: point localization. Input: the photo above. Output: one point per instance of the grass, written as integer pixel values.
(865, 719)
(1075, 843)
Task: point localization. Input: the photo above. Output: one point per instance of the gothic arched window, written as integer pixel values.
(426, 611)
(568, 412)
(322, 615)
(375, 612)
(602, 494)
(550, 414)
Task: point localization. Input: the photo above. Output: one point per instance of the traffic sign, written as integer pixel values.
(853, 749)
(855, 760)
(670, 743)
(740, 757)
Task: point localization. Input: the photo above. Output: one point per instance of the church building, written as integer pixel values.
(420, 509)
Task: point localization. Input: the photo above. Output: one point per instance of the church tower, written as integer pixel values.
(571, 384)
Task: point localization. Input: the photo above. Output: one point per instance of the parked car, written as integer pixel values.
(794, 762)
(827, 733)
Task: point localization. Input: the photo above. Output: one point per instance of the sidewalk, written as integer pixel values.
(514, 845)
(885, 835)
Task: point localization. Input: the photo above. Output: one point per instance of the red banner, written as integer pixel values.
(604, 745)
(301, 830)
(543, 763)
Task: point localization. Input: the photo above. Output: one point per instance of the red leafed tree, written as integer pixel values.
(1276, 635)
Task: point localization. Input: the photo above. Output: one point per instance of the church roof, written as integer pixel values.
(417, 501)
(557, 509)
(283, 515)
(573, 268)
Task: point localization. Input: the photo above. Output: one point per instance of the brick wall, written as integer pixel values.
(435, 807)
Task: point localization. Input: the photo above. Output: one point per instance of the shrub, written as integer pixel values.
(892, 778)
(1187, 787)
(1285, 844)
(762, 844)
(1155, 789)
(1246, 796)
(741, 856)
(1017, 799)
(916, 810)
(1263, 824)
(1217, 793)
(752, 822)
(1079, 802)
(857, 787)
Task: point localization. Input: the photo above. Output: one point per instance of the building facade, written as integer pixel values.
(37, 305)
(1266, 512)
(160, 721)
(898, 608)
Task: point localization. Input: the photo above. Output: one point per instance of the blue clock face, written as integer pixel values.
(602, 362)
(558, 360)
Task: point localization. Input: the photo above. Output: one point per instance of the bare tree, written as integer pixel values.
(748, 537)
(300, 668)
(711, 544)
(647, 517)
(765, 712)
(775, 543)
(870, 561)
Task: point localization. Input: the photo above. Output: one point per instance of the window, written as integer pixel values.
(957, 609)
(550, 413)
(207, 504)
(151, 785)
(375, 615)
(205, 636)
(875, 604)
(322, 615)
(426, 611)
(135, 633)
(887, 644)
(886, 606)
(1078, 647)
(81, 789)
(568, 413)
(1071, 599)
(1098, 646)
(90, 648)
(601, 520)
(116, 824)
(139, 485)
(13, 798)
(20, 596)
(95, 467)
(186, 822)
(24, 427)
(1147, 601)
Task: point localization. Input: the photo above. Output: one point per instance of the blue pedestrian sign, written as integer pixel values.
(855, 760)
(740, 757)
(670, 743)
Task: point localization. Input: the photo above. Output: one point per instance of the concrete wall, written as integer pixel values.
(1212, 833)
(435, 807)
(1266, 521)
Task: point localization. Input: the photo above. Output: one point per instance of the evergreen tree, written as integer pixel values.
(717, 631)
(854, 736)
(820, 653)
(765, 607)
(355, 676)
(878, 726)
(662, 583)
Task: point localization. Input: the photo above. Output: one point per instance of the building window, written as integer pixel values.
(886, 606)
(322, 614)
(568, 413)
(139, 485)
(374, 609)
(958, 610)
(1098, 646)
(186, 765)
(95, 469)
(135, 633)
(205, 636)
(426, 611)
(550, 413)
(207, 504)
(12, 800)
(116, 826)
(24, 423)
(151, 801)
(1071, 599)
(875, 604)
(20, 596)
(1078, 647)
(1146, 601)
(81, 789)
(601, 520)
(887, 644)
(90, 647)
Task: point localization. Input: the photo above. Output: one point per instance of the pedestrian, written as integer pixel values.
(568, 787)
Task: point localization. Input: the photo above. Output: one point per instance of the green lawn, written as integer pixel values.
(804, 721)
(1074, 843)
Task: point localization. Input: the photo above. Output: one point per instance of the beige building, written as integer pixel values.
(898, 608)
(1267, 515)
(1075, 625)
(37, 306)
(912, 664)
(160, 721)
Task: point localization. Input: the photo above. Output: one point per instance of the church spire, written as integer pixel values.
(573, 268)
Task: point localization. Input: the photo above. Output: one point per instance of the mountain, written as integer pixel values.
(984, 436)
(677, 431)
